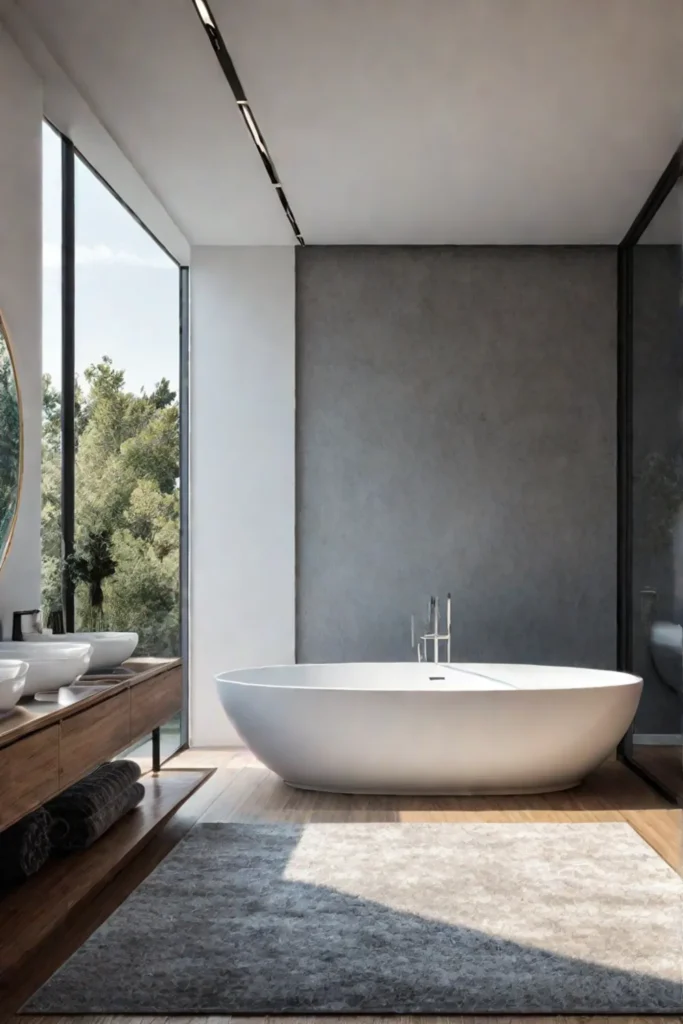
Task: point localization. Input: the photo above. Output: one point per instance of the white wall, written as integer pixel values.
(20, 300)
(242, 514)
(31, 84)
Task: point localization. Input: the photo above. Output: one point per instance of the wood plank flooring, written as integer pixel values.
(613, 793)
(241, 789)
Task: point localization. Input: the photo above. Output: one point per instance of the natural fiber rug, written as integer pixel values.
(389, 918)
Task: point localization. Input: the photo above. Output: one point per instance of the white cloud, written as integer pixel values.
(92, 255)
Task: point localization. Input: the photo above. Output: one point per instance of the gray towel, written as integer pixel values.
(24, 848)
(96, 790)
(74, 830)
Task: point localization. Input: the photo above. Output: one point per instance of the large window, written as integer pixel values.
(127, 501)
(52, 370)
(111, 413)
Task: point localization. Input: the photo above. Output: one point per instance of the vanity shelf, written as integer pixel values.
(46, 747)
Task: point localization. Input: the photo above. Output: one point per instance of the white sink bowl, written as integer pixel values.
(109, 650)
(12, 680)
(49, 665)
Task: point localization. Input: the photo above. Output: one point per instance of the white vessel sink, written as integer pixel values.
(12, 680)
(109, 649)
(49, 665)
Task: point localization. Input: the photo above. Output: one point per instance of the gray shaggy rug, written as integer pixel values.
(389, 918)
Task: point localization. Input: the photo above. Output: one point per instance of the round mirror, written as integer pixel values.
(11, 442)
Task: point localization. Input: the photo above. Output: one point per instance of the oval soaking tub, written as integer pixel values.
(428, 728)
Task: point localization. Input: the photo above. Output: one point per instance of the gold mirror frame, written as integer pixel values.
(7, 543)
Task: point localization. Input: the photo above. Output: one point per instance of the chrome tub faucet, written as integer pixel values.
(431, 637)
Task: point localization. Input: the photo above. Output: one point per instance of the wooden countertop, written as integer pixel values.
(31, 715)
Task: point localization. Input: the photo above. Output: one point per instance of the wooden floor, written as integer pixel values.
(241, 789)
(251, 793)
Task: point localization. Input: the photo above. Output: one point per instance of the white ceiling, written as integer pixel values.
(147, 70)
(389, 121)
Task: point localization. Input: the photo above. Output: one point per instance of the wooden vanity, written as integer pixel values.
(46, 747)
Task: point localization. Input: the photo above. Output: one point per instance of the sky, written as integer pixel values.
(126, 285)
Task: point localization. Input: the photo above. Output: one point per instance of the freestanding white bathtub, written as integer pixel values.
(430, 728)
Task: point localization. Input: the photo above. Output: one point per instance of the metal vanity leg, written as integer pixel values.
(156, 749)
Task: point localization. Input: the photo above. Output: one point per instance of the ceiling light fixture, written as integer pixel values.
(253, 128)
(228, 68)
(204, 13)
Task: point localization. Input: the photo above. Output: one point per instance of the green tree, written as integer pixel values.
(127, 480)
(51, 515)
(92, 564)
(10, 442)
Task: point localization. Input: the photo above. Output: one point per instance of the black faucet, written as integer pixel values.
(17, 632)
(55, 622)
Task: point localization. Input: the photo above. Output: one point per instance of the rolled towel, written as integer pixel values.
(96, 790)
(24, 848)
(74, 830)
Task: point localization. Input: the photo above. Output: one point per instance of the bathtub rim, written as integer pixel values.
(618, 679)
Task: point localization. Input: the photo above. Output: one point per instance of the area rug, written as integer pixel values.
(389, 918)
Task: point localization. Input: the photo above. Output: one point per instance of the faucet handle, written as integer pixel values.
(648, 605)
(17, 624)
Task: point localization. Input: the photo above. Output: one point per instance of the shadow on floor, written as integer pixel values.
(220, 928)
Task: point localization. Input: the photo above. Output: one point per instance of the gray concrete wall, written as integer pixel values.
(456, 429)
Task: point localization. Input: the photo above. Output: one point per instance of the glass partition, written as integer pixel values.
(655, 426)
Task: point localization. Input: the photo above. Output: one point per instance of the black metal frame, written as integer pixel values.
(68, 372)
(184, 300)
(156, 749)
(68, 409)
(666, 183)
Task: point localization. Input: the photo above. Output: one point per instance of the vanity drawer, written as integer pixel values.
(93, 736)
(29, 774)
(155, 701)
